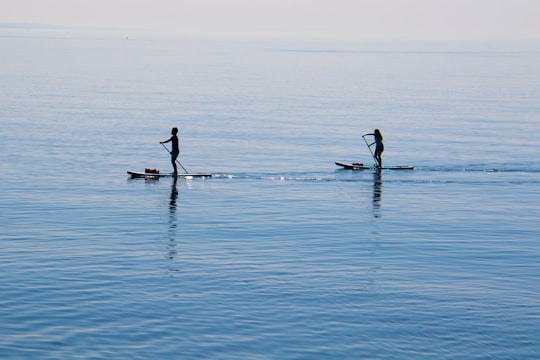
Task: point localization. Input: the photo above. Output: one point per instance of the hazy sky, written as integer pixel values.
(474, 18)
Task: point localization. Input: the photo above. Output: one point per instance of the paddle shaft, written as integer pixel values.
(369, 147)
(179, 163)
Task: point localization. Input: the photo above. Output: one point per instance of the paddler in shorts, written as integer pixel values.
(175, 149)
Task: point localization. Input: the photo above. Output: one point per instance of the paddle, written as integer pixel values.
(176, 159)
(369, 147)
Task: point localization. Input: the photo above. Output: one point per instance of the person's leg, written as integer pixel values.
(378, 157)
(173, 162)
(380, 151)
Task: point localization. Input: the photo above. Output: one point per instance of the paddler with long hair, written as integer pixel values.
(379, 146)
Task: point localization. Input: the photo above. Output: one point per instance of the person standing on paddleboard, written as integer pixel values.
(379, 146)
(175, 149)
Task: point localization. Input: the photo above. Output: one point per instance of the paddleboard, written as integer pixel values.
(138, 174)
(360, 166)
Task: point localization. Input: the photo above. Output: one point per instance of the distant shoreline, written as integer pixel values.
(29, 29)
(31, 26)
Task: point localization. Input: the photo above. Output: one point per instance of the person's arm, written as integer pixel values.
(166, 141)
(372, 134)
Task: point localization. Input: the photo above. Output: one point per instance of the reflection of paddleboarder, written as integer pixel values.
(379, 146)
(173, 197)
(175, 148)
(377, 192)
(172, 222)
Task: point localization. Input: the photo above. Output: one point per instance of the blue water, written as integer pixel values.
(280, 255)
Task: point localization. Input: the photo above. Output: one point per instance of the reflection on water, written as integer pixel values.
(172, 220)
(173, 197)
(377, 192)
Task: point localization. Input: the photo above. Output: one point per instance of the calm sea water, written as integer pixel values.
(280, 255)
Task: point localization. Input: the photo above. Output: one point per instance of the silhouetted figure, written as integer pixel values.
(175, 148)
(379, 146)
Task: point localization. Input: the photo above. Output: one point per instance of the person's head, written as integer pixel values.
(174, 131)
(378, 133)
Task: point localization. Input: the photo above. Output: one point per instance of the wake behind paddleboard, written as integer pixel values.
(138, 174)
(360, 166)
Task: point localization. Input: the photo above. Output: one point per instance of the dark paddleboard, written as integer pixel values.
(360, 166)
(138, 174)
